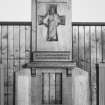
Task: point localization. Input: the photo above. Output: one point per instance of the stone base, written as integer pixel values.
(23, 87)
(80, 87)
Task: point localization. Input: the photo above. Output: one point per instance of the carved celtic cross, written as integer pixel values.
(52, 20)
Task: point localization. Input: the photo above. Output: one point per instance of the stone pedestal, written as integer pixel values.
(23, 87)
(80, 87)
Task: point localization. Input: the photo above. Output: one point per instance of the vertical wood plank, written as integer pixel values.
(10, 65)
(0, 46)
(93, 52)
(34, 25)
(93, 62)
(52, 88)
(16, 48)
(103, 42)
(87, 49)
(46, 88)
(75, 44)
(1, 85)
(0, 65)
(81, 47)
(4, 62)
(22, 42)
(101, 84)
(36, 88)
(58, 90)
(99, 44)
(27, 43)
(22, 46)
(16, 53)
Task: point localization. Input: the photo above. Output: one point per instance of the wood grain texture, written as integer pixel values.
(34, 25)
(102, 84)
(4, 62)
(16, 42)
(27, 43)
(1, 85)
(98, 44)
(0, 45)
(93, 62)
(16, 48)
(66, 89)
(103, 42)
(36, 90)
(52, 88)
(10, 58)
(81, 47)
(93, 50)
(75, 44)
(58, 88)
(87, 49)
(22, 47)
(10, 42)
(22, 42)
(10, 65)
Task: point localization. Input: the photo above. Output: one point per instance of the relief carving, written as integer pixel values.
(52, 20)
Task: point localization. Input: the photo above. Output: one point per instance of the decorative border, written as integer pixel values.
(50, 64)
(47, 55)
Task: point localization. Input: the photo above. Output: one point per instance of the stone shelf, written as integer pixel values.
(51, 64)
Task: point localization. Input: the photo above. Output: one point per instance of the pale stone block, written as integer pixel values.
(80, 87)
(23, 87)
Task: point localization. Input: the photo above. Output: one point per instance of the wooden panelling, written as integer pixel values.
(87, 49)
(75, 44)
(14, 51)
(93, 53)
(103, 42)
(102, 84)
(1, 86)
(10, 65)
(52, 88)
(0, 46)
(46, 88)
(58, 89)
(5, 62)
(98, 44)
(27, 43)
(93, 50)
(81, 46)
(34, 25)
(16, 48)
(22, 42)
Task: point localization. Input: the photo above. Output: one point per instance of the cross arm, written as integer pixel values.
(41, 21)
(61, 20)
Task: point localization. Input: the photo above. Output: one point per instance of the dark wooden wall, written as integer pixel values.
(88, 49)
(14, 52)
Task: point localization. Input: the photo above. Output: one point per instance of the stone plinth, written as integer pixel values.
(80, 87)
(23, 87)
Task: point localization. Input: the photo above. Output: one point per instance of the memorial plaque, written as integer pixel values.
(52, 27)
